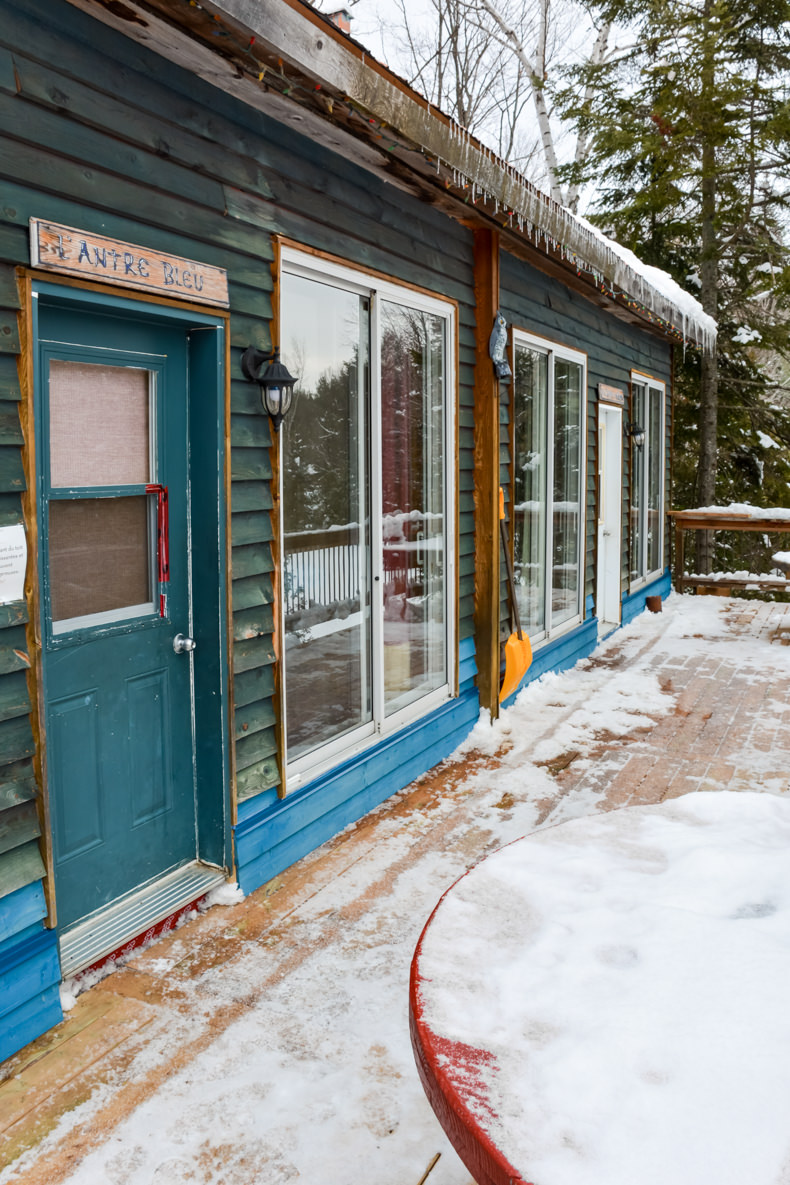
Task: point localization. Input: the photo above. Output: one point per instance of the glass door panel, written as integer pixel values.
(638, 411)
(565, 573)
(529, 511)
(99, 558)
(326, 515)
(655, 448)
(413, 484)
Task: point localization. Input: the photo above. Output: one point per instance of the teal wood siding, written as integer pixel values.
(101, 134)
(534, 302)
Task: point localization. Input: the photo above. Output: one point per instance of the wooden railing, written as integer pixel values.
(323, 567)
(724, 520)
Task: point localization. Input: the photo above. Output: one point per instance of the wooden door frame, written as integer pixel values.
(209, 387)
(613, 409)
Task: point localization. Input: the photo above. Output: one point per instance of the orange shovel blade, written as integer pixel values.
(518, 656)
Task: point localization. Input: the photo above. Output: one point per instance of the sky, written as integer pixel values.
(313, 1079)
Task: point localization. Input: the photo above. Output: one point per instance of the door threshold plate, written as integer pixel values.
(108, 929)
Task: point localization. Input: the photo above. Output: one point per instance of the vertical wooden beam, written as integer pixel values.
(276, 512)
(486, 405)
(25, 367)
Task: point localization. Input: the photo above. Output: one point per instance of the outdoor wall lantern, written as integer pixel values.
(636, 432)
(274, 380)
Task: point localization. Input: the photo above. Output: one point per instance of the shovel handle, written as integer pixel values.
(511, 584)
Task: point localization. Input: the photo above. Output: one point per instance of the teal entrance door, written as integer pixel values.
(116, 609)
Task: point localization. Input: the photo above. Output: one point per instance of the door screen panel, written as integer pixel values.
(98, 424)
(101, 437)
(99, 556)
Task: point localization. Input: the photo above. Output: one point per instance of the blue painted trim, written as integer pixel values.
(29, 1021)
(634, 603)
(275, 836)
(467, 662)
(251, 808)
(29, 979)
(589, 605)
(560, 654)
(21, 909)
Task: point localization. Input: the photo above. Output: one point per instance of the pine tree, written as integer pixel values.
(689, 135)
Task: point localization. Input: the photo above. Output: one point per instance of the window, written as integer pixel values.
(647, 479)
(366, 509)
(548, 509)
(102, 452)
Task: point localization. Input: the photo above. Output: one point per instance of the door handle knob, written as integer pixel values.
(183, 645)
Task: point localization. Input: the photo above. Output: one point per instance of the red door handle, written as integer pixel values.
(162, 541)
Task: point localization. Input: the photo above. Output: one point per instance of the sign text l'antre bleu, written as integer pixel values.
(611, 394)
(73, 252)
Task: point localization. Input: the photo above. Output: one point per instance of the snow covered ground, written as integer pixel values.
(290, 1059)
(624, 980)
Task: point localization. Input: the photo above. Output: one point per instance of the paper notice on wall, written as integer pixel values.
(13, 561)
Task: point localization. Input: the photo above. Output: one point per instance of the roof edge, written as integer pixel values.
(303, 37)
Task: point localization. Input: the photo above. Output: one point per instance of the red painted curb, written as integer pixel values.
(474, 1145)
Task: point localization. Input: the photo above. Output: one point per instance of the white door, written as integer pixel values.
(610, 467)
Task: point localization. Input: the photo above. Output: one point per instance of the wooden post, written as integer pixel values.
(486, 617)
(680, 583)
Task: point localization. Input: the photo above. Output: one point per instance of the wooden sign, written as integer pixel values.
(75, 252)
(611, 394)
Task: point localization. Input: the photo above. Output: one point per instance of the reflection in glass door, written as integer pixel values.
(326, 517)
(548, 462)
(364, 510)
(412, 470)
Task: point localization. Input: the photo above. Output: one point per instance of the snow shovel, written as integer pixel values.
(518, 652)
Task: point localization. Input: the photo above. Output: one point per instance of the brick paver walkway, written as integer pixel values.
(730, 729)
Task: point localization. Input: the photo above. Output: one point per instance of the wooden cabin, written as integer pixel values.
(221, 643)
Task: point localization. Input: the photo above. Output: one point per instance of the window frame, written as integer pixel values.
(642, 455)
(554, 350)
(377, 288)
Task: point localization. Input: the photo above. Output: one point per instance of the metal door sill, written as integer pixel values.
(110, 928)
(605, 628)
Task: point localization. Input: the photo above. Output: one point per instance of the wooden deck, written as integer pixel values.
(723, 520)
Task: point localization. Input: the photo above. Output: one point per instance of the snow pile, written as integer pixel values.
(628, 974)
(745, 510)
(740, 574)
(228, 893)
(278, 1051)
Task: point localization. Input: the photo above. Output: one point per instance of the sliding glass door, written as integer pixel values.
(548, 509)
(365, 498)
(647, 480)
(326, 573)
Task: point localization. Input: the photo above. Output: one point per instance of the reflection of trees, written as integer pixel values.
(412, 412)
(321, 454)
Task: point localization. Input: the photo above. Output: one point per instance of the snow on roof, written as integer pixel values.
(482, 174)
(688, 306)
(370, 102)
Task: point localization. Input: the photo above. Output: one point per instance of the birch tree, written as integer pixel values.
(489, 65)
